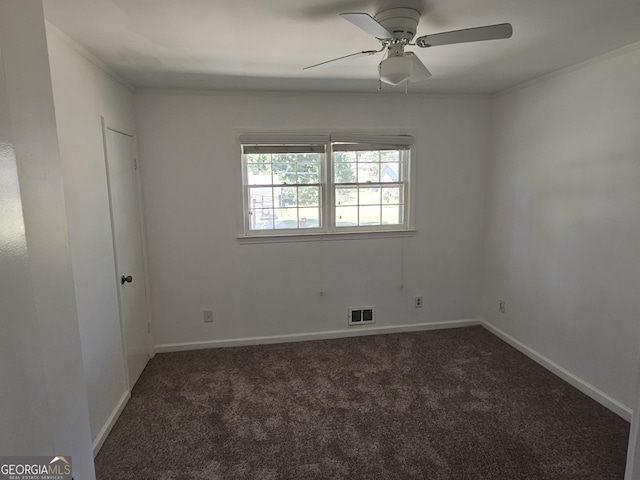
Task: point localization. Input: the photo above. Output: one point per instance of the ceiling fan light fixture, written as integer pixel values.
(395, 70)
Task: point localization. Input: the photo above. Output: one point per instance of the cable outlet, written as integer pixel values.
(208, 316)
(501, 306)
(417, 302)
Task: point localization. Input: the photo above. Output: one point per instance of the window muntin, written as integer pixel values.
(348, 185)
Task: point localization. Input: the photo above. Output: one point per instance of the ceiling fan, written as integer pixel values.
(395, 28)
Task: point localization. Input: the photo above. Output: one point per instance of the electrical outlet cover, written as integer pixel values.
(501, 306)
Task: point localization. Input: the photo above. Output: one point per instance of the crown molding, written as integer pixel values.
(570, 69)
(55, 32)
(311, 93)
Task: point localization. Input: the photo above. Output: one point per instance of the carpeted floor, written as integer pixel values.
(449, 404)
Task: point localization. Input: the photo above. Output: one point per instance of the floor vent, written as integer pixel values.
(361, 315)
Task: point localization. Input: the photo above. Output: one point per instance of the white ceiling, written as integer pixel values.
(264, 44)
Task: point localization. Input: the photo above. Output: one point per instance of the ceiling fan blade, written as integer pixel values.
(490, 32)
(367, 23)
(420, 71)
(342, 59)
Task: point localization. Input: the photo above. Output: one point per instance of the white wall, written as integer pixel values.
(83, 93)
(23, 408)
(190, 166)
(563, 224)
(43, 402)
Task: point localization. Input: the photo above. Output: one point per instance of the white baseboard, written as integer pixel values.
(302, 337)
(585, 387)
(111, 421)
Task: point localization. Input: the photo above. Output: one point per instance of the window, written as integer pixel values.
(304, 184)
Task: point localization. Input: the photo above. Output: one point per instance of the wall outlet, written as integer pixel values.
(208, 316)
(417, 302)
(501, 306)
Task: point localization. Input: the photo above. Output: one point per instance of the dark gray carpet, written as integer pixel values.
(448, 404)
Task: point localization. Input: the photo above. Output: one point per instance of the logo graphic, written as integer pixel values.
(35, 468)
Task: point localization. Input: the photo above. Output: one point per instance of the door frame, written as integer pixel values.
(632, 470)
(108, 124)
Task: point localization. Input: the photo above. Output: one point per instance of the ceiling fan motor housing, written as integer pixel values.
(402, 22)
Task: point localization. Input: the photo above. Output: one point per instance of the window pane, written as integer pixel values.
(288, 197)
(370, 215)
(369, 196)
(258, 158)
(345, 157)
(305, 178)
(389, 156)
(390, 172)
(309, 217)
(345, 172)
(309, 196)
(286, 218)
(284, 173)
(371, 156)
(346, 216)
(259, 174)
(260, 197)
(346, 196)
(261, 219)
(368, 172)
(392, 215)
(283, 158)
(308, 168)
(308, 158)
(391, 195)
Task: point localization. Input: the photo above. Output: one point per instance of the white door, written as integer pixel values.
(127, 235)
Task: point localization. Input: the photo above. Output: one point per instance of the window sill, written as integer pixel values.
(324, 236)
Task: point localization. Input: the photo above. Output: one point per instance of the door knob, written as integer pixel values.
(127, 279)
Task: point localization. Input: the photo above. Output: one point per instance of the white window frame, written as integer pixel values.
(328, 227)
